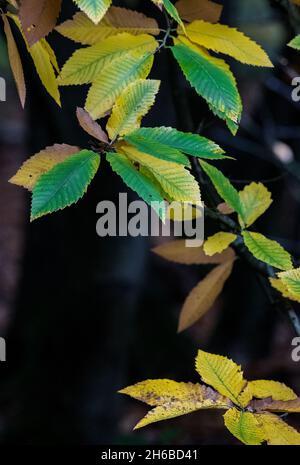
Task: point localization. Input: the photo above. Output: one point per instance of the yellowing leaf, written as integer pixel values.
(218, 242)
(277, 432)
(176, 251)
(114, 78)
(133, 103)
(41, 163)
(266, 250)
(281, 287)
(244, 426)
(222, 374)
(173, 399)
(202, 297)
(262, 389)
(94, 9)
(42, 61)
(190, 10)
(174, 179)
(291, 279)
(15, 61)
(255, 200)
(227, 40)
(86, 64)
(117, 20)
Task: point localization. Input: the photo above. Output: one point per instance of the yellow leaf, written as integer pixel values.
(40, 163)
(134, 102)
(255, 200)
(222, 374)
(117, 20)
(42, 60)
(277, 432)
(291, 279)
(172, 399)
(244, 426)
(175, 179)
(114, 78)
(265, 389)
(281, 287)
(15, 61)
(86, 64)
(203, 296)
(176, 251)
(218, 242)
(227, 40)
(190, 10)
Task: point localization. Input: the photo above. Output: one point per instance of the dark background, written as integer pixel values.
(84, 316)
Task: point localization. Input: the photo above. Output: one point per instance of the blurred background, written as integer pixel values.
(83, 316)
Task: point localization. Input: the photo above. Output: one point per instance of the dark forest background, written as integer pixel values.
(84, 316)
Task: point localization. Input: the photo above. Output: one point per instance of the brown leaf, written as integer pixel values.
(90, 126)
(225, 209)
(15, 61)
(176, 251)
(275, 405)
(40, 24)
(202, 297)
(190, 10)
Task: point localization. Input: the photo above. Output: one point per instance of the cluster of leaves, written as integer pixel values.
(250, 405)
(115, 60)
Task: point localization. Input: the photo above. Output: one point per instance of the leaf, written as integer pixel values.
(15, 61)
(281, 287)
(191, 144)
(64, 184)
(90, 126)
(211, 78)
(113, 79)
(174, 179)
(218, 242)
(291, 279)
(277, 432)
(42, 61)
(129, 108)
(86, 64)
(290, 406)
(227, 40)
(41, 163)
(225, 209)
(222, 374)
(244, 426)
(29, 13)
(173, 399)
(41, 24)
(172, 11)
(94, 9)
(142, 143)
(117, 20)
(224, 187)
(277, 391)
(295, 43)
(137, 182)
(255, 200)
(203, 296)
(190, 10)
(267, 251)
(176, 251)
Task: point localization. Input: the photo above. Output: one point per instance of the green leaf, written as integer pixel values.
(224, 187)
(291, 279)
(64, 184)
(94, 9)
(244, 426)
(142, 142)
(191, 144)
(267, 251)
(139, 183)
(295, 43)
(172, 11)
(211, 77)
